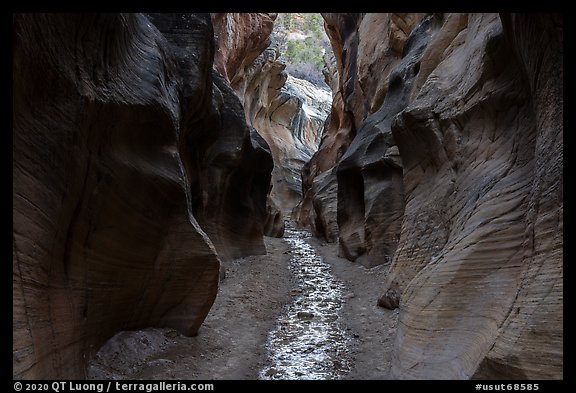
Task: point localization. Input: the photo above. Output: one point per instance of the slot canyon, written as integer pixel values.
(186, 206)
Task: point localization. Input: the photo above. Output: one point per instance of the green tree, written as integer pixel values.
(313, 23)
(303, 56)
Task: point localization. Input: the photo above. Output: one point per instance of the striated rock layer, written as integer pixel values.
(370, 199)
(120, 141)
(478, 273)
(370, 187)
(287, 112)
(454, 178)
(240, 39)
(530, 343)
(317, 209)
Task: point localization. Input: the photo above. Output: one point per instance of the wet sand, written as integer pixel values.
(239, 340)
(309, 341)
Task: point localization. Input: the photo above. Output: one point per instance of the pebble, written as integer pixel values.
(331, 318)
(305, 315)
(271, 371)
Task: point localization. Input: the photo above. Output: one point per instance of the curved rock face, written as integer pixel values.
(289, 113)
(370, 187)
(456, 174)
(370, 201)
(120, 140)
(317, 209)
(240, 39)
(531, 337)
(469, 240)
(231, 177)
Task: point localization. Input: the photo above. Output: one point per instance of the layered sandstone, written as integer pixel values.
(370, 198)
(317, 208)
(137, 168)
(122, 138)
(240, 39)
(454, 177)
(287, 112)
(465, 274)
(530, 343)
(370, 187)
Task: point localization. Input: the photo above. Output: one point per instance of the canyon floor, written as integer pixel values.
(231, 344)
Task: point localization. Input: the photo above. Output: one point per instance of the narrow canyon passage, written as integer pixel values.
(287, 196)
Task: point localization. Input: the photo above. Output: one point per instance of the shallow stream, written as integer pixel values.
(308, 341)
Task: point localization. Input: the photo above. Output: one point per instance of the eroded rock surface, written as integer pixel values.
(370, 202)
(137, 168)
(240, 39)
(454, 178)
(289, 113)
(317, 209)
(232, 178)
(530, 343)
(120, 141)
(472, 175)
(370, 186)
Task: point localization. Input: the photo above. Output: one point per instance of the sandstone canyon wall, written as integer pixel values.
(453, 177)
(290, 117)
(366, 47)
(240, 39)
(287, 112)
(132, 166)
(317, 208)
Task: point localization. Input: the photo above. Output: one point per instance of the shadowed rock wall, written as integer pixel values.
(120, 142)
(287, 112)
(454, 179)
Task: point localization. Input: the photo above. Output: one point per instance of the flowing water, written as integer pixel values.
(308, 342)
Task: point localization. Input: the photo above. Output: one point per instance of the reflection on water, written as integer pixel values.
(308, 342)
